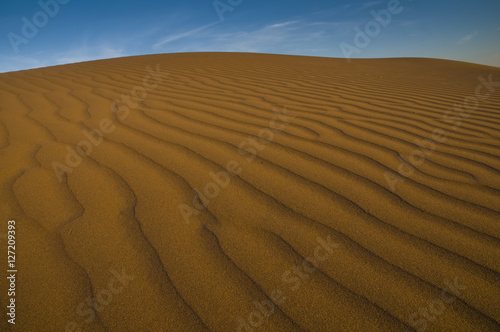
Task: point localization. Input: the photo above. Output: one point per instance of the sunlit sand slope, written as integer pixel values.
(248, 192)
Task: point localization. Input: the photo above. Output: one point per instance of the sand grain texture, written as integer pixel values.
(343, 127)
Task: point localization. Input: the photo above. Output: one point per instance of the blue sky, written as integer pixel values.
(465, 30)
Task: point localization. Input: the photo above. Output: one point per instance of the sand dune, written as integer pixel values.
(190, 192)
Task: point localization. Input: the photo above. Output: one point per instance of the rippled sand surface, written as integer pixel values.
(251, 192)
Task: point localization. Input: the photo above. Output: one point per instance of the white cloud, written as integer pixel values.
(14, 63)
(171, 38)
(77, 54)
(467, 38)
(84, 54)
(279, 25)
(292, 37)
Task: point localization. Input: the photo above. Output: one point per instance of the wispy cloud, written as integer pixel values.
(263, 39)
(13, 63)
(279, 25)
(171, 38)
(77, 54)
(467, 38)
(287, 37)
(87, 54)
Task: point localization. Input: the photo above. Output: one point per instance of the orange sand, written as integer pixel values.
(321, 142)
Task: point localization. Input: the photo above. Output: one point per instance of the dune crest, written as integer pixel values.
(251, 192)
